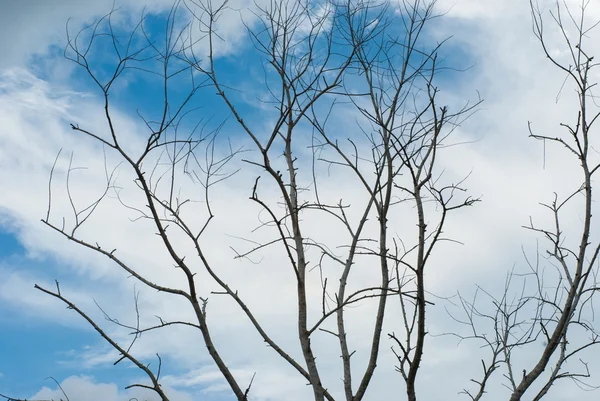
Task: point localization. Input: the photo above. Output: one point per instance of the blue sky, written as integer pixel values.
(41, 93)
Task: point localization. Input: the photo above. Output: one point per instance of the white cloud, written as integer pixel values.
(268, 382)
(85, 388)
(47, 24)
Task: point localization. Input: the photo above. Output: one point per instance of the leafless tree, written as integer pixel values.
(551, 305)
(369, 60)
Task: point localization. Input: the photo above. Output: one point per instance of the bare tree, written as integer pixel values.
(551, 305)
(406, 129)
(368, 60)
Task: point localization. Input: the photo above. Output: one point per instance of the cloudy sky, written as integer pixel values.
(496, 57)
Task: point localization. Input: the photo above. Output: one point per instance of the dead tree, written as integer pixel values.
(364, 58)
(551, 305)
(406, 129)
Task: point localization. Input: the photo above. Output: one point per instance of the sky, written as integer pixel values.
(495, 57)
